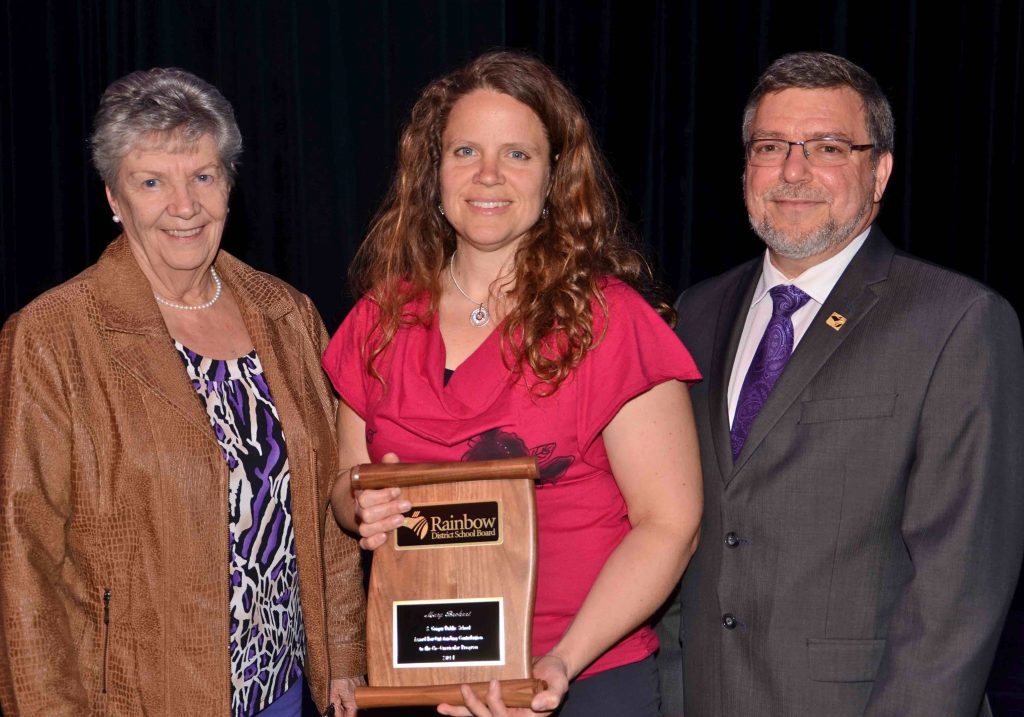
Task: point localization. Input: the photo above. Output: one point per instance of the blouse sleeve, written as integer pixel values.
(637, 350)
(345, 357)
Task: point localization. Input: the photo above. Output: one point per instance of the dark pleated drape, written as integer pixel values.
(321, 88)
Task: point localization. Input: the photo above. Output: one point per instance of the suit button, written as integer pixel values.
(729, 621)
(731, 539)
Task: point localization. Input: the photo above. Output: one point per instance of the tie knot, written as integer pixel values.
(787, 298)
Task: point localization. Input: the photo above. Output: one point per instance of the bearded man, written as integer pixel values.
(860, 429)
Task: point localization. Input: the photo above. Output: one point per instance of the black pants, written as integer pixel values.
(627, 691)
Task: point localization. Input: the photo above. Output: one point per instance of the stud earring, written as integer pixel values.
(117, 219)
(544, 212)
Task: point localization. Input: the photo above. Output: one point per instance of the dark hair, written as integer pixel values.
(561, 260)
(166, 102)
(821, 70)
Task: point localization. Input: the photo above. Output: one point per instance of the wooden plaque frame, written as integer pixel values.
(467, 552)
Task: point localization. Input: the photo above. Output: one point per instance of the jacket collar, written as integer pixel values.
(127, 303)
(853, 297)
(139, 340)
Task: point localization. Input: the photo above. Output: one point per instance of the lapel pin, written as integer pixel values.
(836, 320)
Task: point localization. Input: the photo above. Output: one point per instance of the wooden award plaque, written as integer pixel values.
(452, 590)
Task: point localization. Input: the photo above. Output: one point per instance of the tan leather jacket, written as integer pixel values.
(113, 501)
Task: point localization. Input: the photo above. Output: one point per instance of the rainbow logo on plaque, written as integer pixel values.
(445, 525)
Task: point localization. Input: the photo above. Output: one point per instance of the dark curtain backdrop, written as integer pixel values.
(322, 87)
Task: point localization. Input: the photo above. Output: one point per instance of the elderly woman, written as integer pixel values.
(501, 317)
(167, 453)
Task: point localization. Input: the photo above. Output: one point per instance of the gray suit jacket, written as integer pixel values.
(868, 539)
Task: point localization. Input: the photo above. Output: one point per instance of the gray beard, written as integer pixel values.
(810, 243)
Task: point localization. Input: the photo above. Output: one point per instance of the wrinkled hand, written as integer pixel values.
(550, 668)
(378, 512)
(343, 695)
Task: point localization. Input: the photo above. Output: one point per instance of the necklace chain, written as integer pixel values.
(478, 316)
(196, 307)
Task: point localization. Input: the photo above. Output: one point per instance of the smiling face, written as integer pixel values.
(172, 199)
(495, 170)
(807, 214)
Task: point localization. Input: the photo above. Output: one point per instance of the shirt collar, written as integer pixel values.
(818, 281)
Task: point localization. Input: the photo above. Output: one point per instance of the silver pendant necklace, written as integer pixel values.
(478, 316)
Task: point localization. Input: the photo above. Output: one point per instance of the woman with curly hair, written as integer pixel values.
(502, 315)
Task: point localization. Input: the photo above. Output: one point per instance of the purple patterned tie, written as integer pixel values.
(770, 358)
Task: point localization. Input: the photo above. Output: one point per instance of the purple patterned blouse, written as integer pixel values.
(267, 639)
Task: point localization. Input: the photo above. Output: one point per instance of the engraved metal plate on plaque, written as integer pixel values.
(449, 633)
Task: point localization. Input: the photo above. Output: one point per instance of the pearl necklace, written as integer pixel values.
(196, 307)
(478, 316)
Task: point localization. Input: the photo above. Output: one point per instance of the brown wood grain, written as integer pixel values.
(387, 475)
(504, 570)
(514, 693)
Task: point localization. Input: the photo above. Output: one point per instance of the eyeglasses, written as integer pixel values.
(825, 152)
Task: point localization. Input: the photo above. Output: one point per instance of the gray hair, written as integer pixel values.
(821, 70)
(167, 102)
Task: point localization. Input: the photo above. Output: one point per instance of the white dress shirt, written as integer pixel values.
(816, 282)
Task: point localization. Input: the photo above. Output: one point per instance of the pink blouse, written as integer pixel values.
(484, 412)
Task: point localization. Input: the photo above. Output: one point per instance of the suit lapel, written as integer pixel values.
(268, 310)
(273, 338)
(137, 336)
(152, 360)
(728, 329)
(141, 344)
(853, 297)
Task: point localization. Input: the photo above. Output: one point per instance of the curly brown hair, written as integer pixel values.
(560, 262)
